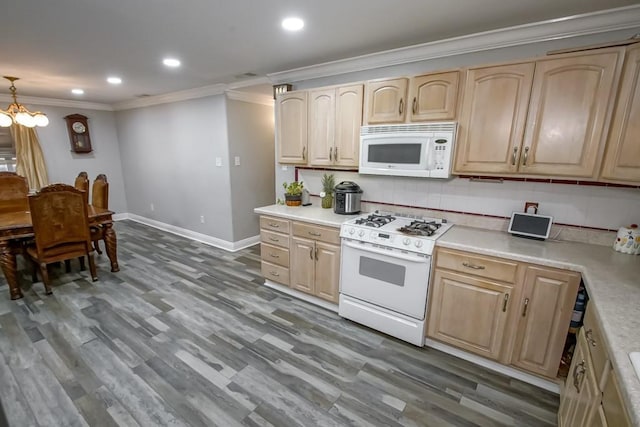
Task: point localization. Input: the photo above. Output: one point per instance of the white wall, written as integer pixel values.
(63, 165)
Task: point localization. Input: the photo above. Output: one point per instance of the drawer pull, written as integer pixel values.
(313, 233)
(524, 309)
(473, 266)
(589, 336)
(273, 273)
(576, 374)
(514, 156)
(273, 239)
(504, 303)
(274, 256)
(275, 225)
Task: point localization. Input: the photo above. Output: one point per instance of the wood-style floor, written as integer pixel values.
(185, 334)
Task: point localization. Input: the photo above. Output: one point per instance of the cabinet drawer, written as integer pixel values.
(491, 268)
(275, 273)
(595, 343)
(276, 239)
(274, 254)
(315, 232)
(274, 224)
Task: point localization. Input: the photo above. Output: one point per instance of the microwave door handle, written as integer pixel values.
(431, 156)
(386, 253)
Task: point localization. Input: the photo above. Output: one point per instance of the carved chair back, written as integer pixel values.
(13, 192)
(100, 192)
(82, 183)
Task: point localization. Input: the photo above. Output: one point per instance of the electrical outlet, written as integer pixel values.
(202, 219)
(284, 167)
(237, 160)
(151, 207)
(218, 161)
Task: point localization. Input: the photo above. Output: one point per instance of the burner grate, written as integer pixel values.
(375, 220)
(420, 228)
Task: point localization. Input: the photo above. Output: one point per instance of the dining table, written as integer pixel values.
(16, 228)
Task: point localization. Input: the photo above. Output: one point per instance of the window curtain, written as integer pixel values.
(29, 158)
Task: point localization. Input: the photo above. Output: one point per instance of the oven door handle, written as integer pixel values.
(383, 252)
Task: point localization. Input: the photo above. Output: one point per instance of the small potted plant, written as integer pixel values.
(293, 193)
(328, 184)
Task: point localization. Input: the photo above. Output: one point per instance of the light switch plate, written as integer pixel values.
(218, 161)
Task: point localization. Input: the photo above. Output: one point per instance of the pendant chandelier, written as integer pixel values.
(18, 113)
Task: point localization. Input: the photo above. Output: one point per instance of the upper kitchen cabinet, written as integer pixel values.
(434, 96)
(430, 97)
(386, 101)
(492, 118)
(335, 116)
(622, 158)
(569, 113)
(291, 127)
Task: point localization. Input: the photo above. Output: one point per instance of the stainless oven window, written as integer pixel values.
(384, 271)
(395, 153)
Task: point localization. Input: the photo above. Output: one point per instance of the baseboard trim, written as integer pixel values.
(190, 234)
(548, 385)
(301, 295)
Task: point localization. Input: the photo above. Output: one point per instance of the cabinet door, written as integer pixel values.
(291, 127)
(546, 308)
(322, 124)
(614, 409)
(434, 96)
(346, 151)
(569, 114)
(468, 313)
(302, 264)
(327, 275)
(622, 159)
(492, 118)
(386, 101)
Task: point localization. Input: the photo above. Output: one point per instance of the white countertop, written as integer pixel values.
(612, 280)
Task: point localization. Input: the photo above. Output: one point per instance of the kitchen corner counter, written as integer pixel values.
(612, 280)
(313, 213)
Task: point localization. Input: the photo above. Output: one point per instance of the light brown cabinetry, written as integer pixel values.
(291, 127)
(546, 307)
(315, 260)
(274, 249)
(504, 310)
(622, 158)
(614, 410)
(335, 116)
(549, 118)
(430, 97)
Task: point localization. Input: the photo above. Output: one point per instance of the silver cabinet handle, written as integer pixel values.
(589, 336)
(576, 375)
(504, 304)
(335, 154)
(274, 225)
(316, 253)
(514, 156)
(273, 239)
(473, 266)
(524, 309)
(274, 256)
(415, 105)
(331, 154)
(304, 149)
(526, 156)
(311, 253)
(273, 273)
(313, 233)
(401, 107)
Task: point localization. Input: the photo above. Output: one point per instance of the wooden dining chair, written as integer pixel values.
(99, 199)
(13, 192)
(61, 228)
(82, 183)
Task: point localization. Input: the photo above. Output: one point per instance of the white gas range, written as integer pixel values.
(385, 269)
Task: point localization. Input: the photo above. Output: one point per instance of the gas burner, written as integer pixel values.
(420, 228)
(375, 220)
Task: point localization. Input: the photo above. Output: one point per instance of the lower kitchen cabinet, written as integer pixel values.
(546, 307)
(469, 313)
(315, 268)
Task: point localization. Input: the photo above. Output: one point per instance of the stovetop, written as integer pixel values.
(391, 230)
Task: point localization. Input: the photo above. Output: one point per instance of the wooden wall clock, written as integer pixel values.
(78, 133)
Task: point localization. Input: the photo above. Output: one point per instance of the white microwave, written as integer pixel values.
(421, 150)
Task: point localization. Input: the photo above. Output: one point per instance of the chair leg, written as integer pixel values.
(45, 278)
(96, 246)
(67, 265)
(92, 267)
(82, 266)
(34, 271)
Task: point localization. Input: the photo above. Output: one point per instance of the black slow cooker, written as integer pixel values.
(347, 198)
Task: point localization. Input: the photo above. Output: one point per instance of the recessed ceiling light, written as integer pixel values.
(114, 80)
(292, 24)
(171, 62)
(77, 91)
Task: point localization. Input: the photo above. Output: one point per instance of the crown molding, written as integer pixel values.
(183, 95)
(571, 26)
(254, 98)
(52, 102)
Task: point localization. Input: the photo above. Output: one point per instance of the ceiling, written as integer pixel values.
(55, 46)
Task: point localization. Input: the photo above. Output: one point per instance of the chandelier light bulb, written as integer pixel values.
(41, 120)
(5, 120)
(25, 119)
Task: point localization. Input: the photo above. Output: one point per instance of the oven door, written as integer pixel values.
(389, 278)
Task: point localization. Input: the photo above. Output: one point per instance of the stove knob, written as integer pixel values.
(406, 241)
(361, 233)
(418, 243)
(352, 230)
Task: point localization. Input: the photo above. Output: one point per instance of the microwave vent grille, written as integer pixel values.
(409, 128)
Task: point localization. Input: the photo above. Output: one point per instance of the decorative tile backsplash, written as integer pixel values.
(581, 212)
